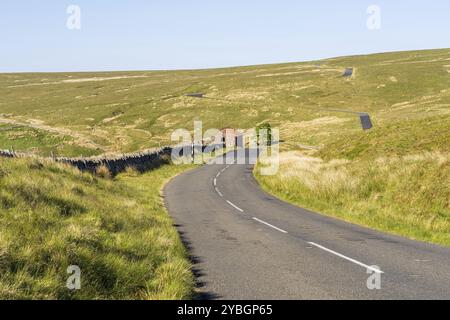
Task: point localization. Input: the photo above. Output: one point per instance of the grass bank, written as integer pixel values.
(117, 231)
(407, 195)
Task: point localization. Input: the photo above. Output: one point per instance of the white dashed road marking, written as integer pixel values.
(285, 232)
(269, 225)
(218, 192)
(346, 258)
(235, 206)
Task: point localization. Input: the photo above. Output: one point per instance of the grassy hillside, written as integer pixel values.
(92, 113)
(395, 177)
(117, 231)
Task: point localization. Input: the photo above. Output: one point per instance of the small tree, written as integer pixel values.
(268, 129)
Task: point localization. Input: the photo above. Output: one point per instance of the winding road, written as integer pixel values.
(246, 244)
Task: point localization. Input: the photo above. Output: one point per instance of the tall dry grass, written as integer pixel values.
(407, 195)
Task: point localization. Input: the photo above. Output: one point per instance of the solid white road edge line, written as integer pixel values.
(215, 182)
(269, 225)
(346, 258)
(235, 206)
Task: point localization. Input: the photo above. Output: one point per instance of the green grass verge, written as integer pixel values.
(117, 231)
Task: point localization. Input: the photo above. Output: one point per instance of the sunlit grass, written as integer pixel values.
(117, 231)
(406, 195)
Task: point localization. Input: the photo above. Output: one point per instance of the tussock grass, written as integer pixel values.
(117, 231)
(103, 172)
(406, 195)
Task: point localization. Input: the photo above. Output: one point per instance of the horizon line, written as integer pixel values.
(223, 67)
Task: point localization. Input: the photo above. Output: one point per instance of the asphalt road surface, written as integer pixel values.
(246, 244)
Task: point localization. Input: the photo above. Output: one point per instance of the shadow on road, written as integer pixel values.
(199, 294)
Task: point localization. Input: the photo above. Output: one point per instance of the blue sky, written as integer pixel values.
(176, 34)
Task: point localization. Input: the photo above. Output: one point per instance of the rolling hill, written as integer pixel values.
(406, 93)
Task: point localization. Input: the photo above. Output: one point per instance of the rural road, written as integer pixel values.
(246, 244)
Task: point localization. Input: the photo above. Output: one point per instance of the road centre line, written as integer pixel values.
(218, 192)
(346, 258)
(235, 206)
(269, 225)
(371, 268)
